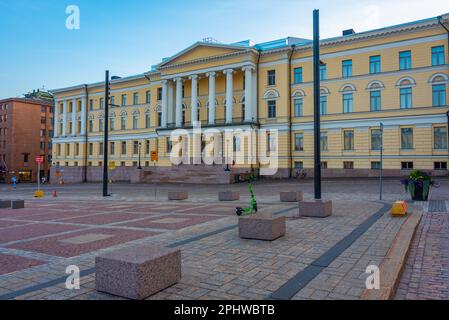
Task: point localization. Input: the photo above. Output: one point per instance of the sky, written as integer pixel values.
(128, 37)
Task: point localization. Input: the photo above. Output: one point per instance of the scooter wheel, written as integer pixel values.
(239, 211)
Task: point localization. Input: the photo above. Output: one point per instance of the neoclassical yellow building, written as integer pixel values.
(397, 76)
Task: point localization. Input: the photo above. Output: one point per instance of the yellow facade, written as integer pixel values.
(406, 89)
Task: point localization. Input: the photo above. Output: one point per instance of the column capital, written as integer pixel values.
(164, 81)
(228, 71)
(248, 68)
(211, 74)
(193, 77)
(178, 79)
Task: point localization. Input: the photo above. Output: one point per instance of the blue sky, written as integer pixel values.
(129, 36)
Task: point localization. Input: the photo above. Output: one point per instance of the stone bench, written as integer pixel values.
(291, 196)
(228, 196)
(178, 195)
(137, 272)
(261, 226)
(315, 209)
(5, 204)
(17, 204)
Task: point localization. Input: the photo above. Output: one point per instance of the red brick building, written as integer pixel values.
(26, 128)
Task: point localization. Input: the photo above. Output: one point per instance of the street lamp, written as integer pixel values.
(140, 147)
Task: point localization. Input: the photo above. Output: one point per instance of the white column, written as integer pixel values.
(211, 76)
(248, 93)
(83, 116)
(178, 102)
(164, 104)
(255, 97)
(73, 117)
(64, 119)
(194, 100)
(171, 105)
(56, 120)
(229, 95)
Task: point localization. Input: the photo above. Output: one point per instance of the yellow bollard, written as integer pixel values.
(39, 194)
(399, 209)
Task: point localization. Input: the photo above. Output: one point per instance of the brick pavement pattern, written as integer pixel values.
(426, 274)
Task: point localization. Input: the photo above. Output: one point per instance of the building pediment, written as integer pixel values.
(202, 52)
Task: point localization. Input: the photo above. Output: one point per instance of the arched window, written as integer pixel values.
(123, 120)
(405, 85)
(439, 83)
(112, 121)
(324, 93)
(347, 92)
(147, 119)
(136, 120)
(298, 103)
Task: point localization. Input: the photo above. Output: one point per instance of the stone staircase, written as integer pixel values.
(201, 174)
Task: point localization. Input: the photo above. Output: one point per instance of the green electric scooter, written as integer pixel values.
(253, 206)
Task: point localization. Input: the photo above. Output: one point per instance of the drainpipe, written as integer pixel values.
(257, 106)
(289, 112)
(86, 118)
(440, 18)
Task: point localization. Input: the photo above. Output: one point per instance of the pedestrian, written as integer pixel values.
(14, 182)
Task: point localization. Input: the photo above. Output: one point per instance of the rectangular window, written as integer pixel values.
(159, 119)
(135, 98)
(112, 101)
(440, 165)
(147, 147)
(299, 165)
(406, 98)
(375, 165)
(374, 64)
(135, 121)
(91, 104)
(91, 149)
(272, 109)
(348, 165)
(323, 72)
(123, 147)
(299, 104)
(439, 95)
(159, 94)
(272, 142)
(272, 77)
(101, 103)
(135, 147)
(101, 124)
(347, 103)
(323, 141)
(346, 68)
(375, 100)
(123, 100)
(112, 123)
(169, 145)
(406, 138)
(112, 148)
(147, 121)
(440, 138)
(123, 122)
(77, 149)
(299, 142)
(236, 144)
(407, 165)
(323, 164)
(297, 75)
(100, 148)
(438, 56)
(348, 136)
(405, 60)
(376, 139)
(323, 105)
(148, 97)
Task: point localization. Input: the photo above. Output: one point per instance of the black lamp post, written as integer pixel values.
(140, 166)
(317, 95)
(106, 137)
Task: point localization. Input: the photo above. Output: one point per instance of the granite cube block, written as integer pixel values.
(228, 196)
(17, 204)
(137, 272)
(5, 204)
(178, 195)
(261, 226)
(315, 208)
(291, 196)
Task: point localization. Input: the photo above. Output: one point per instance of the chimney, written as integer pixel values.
(348, 32)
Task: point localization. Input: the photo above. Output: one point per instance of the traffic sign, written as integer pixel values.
(112, 165)
(39, 159)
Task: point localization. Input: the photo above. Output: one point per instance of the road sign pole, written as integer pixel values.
(38, 176)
